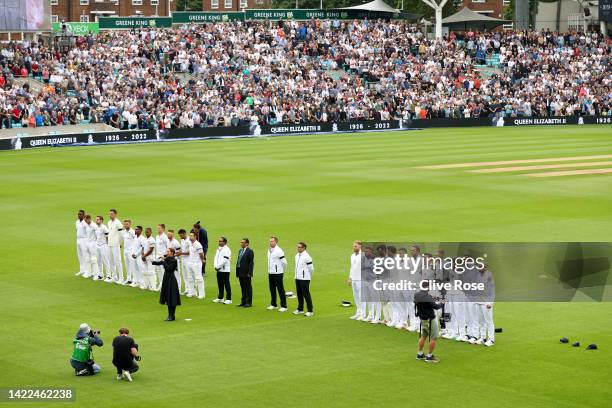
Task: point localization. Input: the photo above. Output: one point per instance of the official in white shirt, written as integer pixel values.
(174, 244)
(115, 228)
(194, 268)
(137, 255)
(355, 281)
(91, 248)
(129, 236)
(81, 235)
(102, 249)
(277, 265)
(222, 266)
(303, 274)
(161, 247)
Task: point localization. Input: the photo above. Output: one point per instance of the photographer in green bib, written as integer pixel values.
(82, 355)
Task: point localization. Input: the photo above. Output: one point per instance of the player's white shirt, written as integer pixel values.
(195, 249)
(161, 245)
(101, 235)
(175, 244)
(148, 244)
(81, 229)
(128, 240)
(138, 244)
(185, 248)
(355, 271)
(114, 232)
(90, 230)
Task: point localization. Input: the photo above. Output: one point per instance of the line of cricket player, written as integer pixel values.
(471, 318)
(99, 253)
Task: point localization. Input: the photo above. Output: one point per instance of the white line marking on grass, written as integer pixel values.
(569, 173)
(496, 163)
(541, 167)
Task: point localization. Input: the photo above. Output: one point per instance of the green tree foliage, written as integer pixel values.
(189, 5)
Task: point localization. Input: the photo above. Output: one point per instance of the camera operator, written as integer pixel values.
(426, 307)
(125, 351)
(82, 356)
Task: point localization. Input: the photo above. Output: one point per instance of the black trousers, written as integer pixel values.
(246, 289)
(303, 293)
(275, 281)
(223, 283)
(132, 369)
(204, 268)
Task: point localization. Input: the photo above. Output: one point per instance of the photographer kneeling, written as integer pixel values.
(125, 351)
(426, 306)
(82, 355)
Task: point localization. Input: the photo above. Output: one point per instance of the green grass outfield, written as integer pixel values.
(327, 190)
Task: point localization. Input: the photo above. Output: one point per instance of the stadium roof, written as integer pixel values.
(465, 19)
(376, 5)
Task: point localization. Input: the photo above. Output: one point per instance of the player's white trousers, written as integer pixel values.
(91, 260)
(195, 281)
(150, 276)
(82, 254)
(178, 273)
(130, 266)
(485, 322)
(360, 306)
(114, 259)
(139, 268)
(103, 260)
(472, 316)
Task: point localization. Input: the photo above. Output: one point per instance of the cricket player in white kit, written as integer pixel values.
(148, 256)
(115, 228)
(102, 253)
(137, 255)
(183, 256)
(355, 281)
(91, 260)
(129, 237)
(161, 247)
(484, 304)
(81, 235)
(194, 268)
(173, 243)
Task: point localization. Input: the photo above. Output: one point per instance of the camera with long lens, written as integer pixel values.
(93, 333)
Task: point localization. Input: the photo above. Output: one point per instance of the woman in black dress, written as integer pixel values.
(169, 291)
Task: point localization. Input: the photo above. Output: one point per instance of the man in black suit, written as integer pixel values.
(244, 272)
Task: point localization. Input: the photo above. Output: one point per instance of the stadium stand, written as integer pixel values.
(230, 74)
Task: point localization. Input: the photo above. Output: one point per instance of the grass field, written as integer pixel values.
(327, 190)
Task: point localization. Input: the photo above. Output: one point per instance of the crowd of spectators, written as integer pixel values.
(230, 74)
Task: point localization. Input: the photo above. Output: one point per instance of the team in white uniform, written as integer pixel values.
(471, 313)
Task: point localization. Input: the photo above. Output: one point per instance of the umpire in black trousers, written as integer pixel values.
(170, 290)
(244, 272)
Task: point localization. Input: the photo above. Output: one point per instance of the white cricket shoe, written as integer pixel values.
(79, 273)
(126, 374)
(369, 319)
(399, 326)
(119, 377)
(298, 312)
(390, 324)
(282, 309)
(360, 318)
(411, 329)
(472, 340)
(270, 307)
(462, 338)
(217, 300)
(201, 297)
(309, 314)
(375, 321)
(479, 341)
(489, 343)
(353, 317)
(189, 295)
(108, 280)
(228, 302)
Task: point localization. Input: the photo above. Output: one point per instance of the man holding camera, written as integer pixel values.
(125, 351)
(82, 356)
(426, 307)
